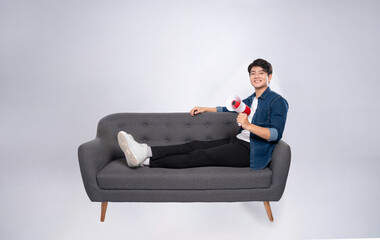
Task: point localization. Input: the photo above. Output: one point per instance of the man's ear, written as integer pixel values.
(269, 77)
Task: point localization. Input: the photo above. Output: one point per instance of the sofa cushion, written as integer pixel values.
(117, 175)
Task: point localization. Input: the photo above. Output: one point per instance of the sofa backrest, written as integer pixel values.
(160, 129)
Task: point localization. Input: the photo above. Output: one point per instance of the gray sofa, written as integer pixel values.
(107, 178)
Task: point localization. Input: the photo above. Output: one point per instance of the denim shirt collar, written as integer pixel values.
(264, 94)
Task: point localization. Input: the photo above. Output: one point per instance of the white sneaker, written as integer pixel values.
(135, 153)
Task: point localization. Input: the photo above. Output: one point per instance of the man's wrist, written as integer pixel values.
(250, 127)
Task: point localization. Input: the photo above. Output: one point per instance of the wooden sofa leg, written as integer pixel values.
(103, 211)
(269, 211)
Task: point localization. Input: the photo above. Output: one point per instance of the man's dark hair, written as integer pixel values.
(267, 67)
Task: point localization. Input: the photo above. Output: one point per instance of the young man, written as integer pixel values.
(253, 146)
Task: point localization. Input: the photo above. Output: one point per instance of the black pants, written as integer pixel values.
(225, 152)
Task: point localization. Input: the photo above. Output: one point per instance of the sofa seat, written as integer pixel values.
(118, 176)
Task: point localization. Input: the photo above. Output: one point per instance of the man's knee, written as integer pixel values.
(195, 144)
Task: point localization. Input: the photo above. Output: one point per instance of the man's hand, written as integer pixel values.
(257, 130)
(197, 110)
(242, 118)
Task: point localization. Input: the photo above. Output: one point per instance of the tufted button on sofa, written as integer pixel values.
(107, 178)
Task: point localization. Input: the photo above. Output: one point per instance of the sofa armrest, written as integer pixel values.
(93, 156)
(280, 165)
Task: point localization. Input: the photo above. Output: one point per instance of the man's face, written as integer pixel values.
(259, 78)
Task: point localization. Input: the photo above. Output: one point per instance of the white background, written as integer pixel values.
(66, 64)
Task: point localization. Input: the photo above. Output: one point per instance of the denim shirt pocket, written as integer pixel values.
(263, 115)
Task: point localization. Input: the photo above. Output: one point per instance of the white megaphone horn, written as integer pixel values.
(234, 103)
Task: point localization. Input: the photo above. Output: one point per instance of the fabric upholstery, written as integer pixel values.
(117, 175)
(160, 129)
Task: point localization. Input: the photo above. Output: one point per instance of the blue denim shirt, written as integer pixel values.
(271, 113)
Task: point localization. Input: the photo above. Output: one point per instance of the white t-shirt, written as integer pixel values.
(244, 135)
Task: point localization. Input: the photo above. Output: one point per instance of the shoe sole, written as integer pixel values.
(123, 143)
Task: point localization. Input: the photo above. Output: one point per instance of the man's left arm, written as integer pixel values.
(278, 113)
